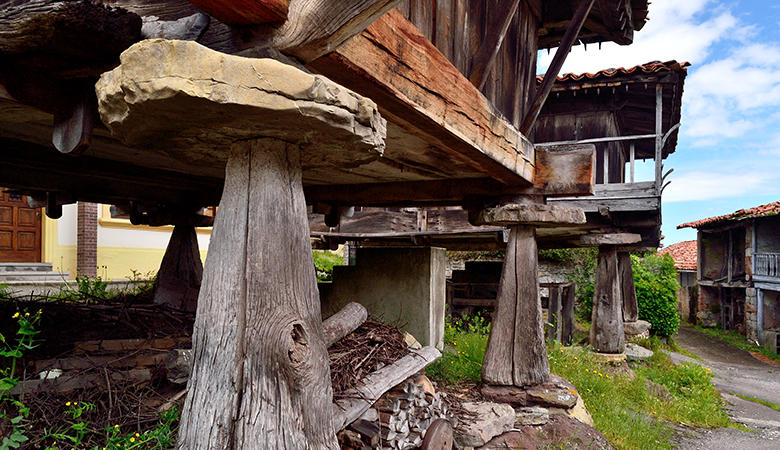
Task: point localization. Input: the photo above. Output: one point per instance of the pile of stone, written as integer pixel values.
(509, 408)
(400, 419)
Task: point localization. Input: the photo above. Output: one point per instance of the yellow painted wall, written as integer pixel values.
(113, 262)
(62, 257)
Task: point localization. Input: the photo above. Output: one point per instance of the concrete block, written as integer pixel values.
(402, 286)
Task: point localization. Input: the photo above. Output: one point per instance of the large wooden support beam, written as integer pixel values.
(502, 13)
(606, 330)
(417, 88)
(260, 362)
(181, 271)
(553, 325)
(580, 14)
(516, 353)
(627, 288)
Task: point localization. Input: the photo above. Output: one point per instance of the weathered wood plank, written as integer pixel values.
(563, 170)
(416, 87)
(529, 214)
(245, 12)
(553, 325)
(606, 330)
(357, 401)
(567, 314)
(500, 16)
(572, 31)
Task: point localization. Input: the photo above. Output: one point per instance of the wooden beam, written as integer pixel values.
(502, 13)
(606, 330)
(416, 87)
(245, 12)
(568, 40)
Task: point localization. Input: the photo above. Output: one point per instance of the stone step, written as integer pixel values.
(24, 267)
(32, 276)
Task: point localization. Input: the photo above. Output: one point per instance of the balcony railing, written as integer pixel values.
(767, 265)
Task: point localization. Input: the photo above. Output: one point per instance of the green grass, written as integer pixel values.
(737, 340)
(769, 404)
(623, 409)
(324, 261)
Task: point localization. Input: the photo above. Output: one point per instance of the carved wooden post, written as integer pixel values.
(606, 331)
(181, 270)
(628, 290)
(516, 353)
(260, 376)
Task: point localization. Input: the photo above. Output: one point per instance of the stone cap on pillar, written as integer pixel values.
(192, 102)
(536, 215)
(609, 239)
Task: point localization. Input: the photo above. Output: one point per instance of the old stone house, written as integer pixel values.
(738, 274)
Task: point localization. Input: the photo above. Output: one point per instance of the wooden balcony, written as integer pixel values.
(767, 267)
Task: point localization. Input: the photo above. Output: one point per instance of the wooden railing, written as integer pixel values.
(767, 265)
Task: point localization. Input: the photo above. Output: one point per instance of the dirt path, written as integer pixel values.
(735, 372)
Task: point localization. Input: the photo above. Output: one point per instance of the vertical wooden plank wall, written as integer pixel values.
(457, 28)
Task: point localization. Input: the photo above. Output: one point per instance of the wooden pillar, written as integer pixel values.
(260, 376)
(567, 313)
(628, 290)
(606, 330)
(553, 326)
(181, 271)
(516, 353)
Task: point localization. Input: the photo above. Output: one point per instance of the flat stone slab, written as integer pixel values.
(557, 393)
(530, 214)
(636, 328)
(191, 102)
(578, 411)
(531, 415)
(636, 352)
(491, 420)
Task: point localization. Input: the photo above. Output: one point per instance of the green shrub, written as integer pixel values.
(656, 291)
(656, 284)
(323, 263)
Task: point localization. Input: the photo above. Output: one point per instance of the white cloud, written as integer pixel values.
(711, 185)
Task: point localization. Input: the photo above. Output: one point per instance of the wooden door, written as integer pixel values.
(20, 229)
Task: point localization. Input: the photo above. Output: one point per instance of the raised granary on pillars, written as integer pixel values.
(258, 309)
(516, 353)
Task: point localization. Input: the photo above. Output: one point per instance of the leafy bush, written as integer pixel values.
(656, 291)
(656, 284)
(324, 262)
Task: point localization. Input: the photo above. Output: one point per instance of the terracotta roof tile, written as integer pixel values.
(770, 209)
(683, 253)
(649, 68)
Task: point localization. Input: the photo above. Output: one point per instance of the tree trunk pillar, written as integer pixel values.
(260, 376)
(516, 353)
(606, 330)
(181, 271)
(628, 290)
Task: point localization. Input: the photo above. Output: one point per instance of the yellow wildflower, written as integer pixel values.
(137, 435)
(67, 403)
(15, 315)
(26, 314)
(132, 439)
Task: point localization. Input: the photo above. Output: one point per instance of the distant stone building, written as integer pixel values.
(739, 272)
(684, 256)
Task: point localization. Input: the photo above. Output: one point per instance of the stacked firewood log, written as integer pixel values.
(400, 418)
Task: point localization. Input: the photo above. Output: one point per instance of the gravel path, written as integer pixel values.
(735, 372)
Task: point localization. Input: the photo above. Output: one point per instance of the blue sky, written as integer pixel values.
(728, 154)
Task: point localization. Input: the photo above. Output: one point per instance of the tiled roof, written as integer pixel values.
(683, 253)
(770, 209)
(647, 69)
